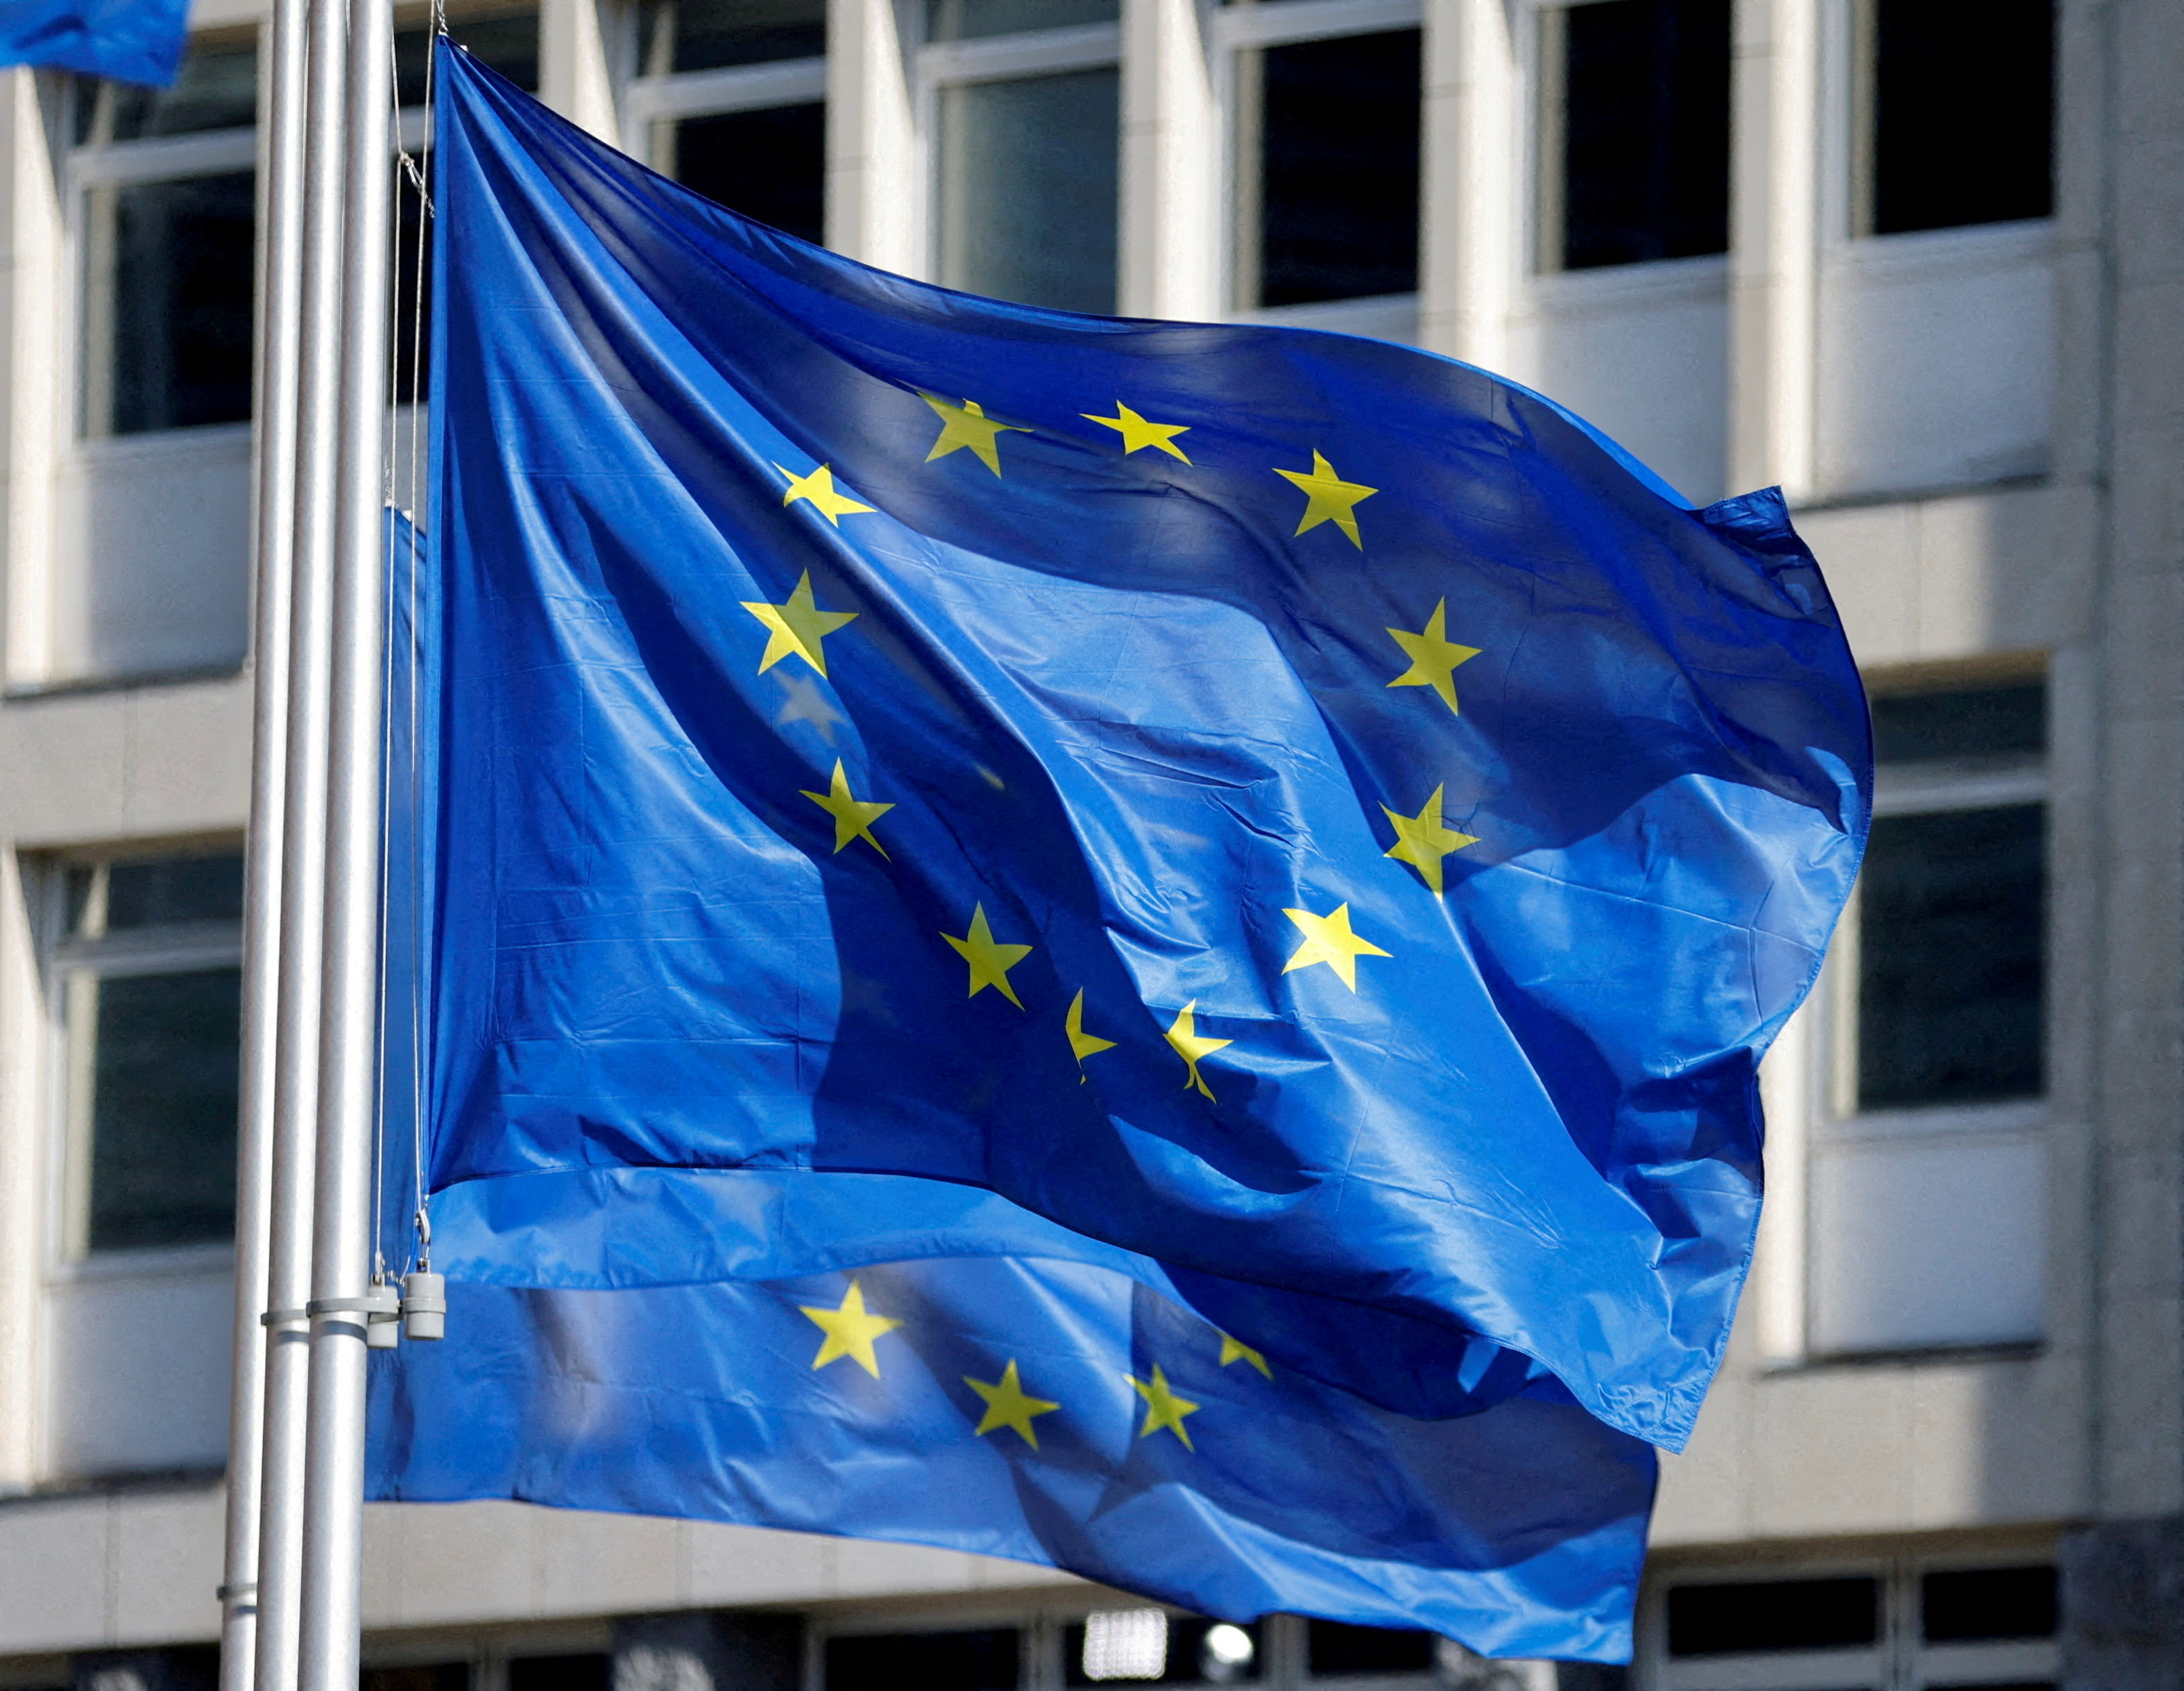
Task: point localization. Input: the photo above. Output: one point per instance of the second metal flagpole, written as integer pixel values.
(333, 1490)
(280, 204)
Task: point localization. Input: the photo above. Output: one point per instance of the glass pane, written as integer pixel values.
(1972, 1604)
(1773, 1615)
(967, 20)
(767, 165)
(1028, 189)
(167, 336)
(1335, 1648)
(506, 41)
(172, 890)
(1951, 948)
(1147, 1646)
(162, 1106)
(1328, 186)
(411, 330)
(559, 1673)
(925, 1661)
(216, 88)
(1984, 722)
(705, 34)
(438, 1676)
(1639, 92)
(1964, 104)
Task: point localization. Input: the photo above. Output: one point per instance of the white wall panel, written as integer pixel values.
(1933, 1240)
(1642, 354)
(139, 1371)
(1934, 361)
(155, 556)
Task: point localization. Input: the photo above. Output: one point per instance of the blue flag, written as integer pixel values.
(129, 41)
(1298, 824)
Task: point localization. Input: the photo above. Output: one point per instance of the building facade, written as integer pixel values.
(1920, 262)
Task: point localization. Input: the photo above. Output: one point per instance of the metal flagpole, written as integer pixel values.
(333, 1486)
(317, 437)
(280, 282)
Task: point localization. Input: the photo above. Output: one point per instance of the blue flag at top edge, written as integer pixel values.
(129, 41)
(1300, 825)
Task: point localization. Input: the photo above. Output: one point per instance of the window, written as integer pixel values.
(989, 1659)
(1333, 1650)
(1327, 174)
(1928, 1164)
(1903, 1627)
(438, 1676)
(150, 984)
(167, 227)
(732, 103)
(1634, 129)
(1027, 128)
(583, 1673)
(1959, 98)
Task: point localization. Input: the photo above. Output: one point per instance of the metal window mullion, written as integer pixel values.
(1033, 54)
(1296, 20)
(225, 151)
(738, 88)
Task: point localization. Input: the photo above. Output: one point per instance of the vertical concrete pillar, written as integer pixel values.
(1172, 228)
(577, 49)
(2123, 1606)
(875, 179)
(1774, 244)
(1471, 255)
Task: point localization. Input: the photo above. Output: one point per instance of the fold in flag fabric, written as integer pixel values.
(128, 41)
(1296, 824)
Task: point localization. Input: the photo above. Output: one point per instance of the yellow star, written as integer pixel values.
(1083, 1045)
(1163, 1408)
(819, 488)
(990, 962)
(1136, 432)
(1235, 1350)
(1329, 498)
(1008, 1405)
(849, 1332)
(853, 816)
(797, 627)
(1434, 656)
(967, 425)
(1184, 1036)
(1328, 940)
(1421, 842)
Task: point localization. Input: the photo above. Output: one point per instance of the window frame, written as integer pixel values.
(1898, 1659)
(65, 963)
(1234, 30)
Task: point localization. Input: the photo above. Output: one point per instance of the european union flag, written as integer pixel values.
(129, 40)
(1297, 828)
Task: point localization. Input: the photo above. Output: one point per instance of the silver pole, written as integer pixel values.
(318, 435)
(279, 247)
(333, 1486)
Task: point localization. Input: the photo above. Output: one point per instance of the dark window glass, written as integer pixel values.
(174, 889)
(768, 165)
(1986, 722)
(506, 42)
(1773, 1615)
(1327, 190)
(1192, 1650)
(168, 344)
(558, 1674)
(1643, 92)
(1966, 1605)
(439, 1676)
(163, 1108)
(1950, 949)
(215, 88)
(1332, 1648)
(968, 20)
(411, 329)
(705, 35)
(1963, 112)
(924, 1661)
(1028, 189)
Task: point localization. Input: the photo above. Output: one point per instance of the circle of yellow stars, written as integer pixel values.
(799, 626)
(851, 1331)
